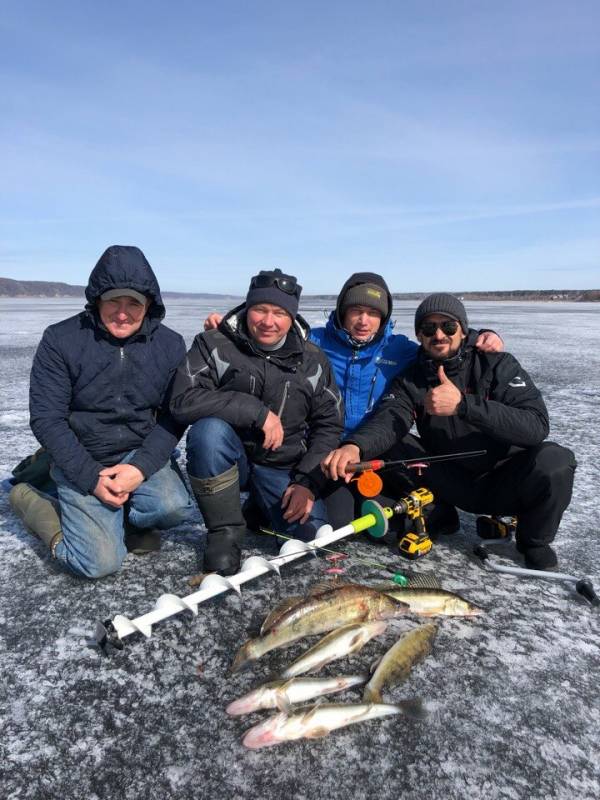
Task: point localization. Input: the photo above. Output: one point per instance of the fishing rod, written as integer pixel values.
(113, 632)
(401, 578)
(377, 463)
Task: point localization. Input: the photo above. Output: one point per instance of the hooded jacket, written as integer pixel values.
(501, 409)
(226, 375)
(94, 398)
(363, 371)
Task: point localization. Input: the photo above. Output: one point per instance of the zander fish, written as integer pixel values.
(337, 644)
(321, 613)
(397, 663)
(432, 602)
(319, 720)
(282, 694)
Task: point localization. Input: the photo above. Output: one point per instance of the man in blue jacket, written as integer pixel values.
(366, 355)
(99, 405)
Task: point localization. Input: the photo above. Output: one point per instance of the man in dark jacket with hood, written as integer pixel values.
(462, 399)
(264, 410)
(98, 404)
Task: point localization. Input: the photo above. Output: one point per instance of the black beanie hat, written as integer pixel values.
(275, 287)
(442, 303)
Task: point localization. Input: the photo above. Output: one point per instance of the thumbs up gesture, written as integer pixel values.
(443, 400)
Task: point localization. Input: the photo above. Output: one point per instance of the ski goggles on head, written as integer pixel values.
(448, 326)
(286, 283)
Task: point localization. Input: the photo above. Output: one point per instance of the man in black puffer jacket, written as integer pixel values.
(462, 399)
(98, 404)
(264, 410)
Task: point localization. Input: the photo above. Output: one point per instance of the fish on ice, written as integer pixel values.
(283, 694)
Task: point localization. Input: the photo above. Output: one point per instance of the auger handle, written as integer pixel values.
(585, 589)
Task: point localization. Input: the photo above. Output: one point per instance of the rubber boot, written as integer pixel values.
(141, 541)
(441, 518)
(38, 512)
(220, 504)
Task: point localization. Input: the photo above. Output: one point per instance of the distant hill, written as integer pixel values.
(13, 288)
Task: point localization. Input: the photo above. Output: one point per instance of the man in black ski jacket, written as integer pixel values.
(98, 404)
(462, 399)
(264, 410)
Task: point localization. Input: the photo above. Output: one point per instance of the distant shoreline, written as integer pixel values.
(10, 288)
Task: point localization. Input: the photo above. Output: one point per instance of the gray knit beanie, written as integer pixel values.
(365, 294)
(442, 303)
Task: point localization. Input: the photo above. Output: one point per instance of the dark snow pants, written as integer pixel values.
(534, 484)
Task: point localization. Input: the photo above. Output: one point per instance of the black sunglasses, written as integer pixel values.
(448, 326)
(287, 283)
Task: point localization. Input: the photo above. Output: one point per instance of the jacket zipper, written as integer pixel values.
(119, 399)
(370, 399)
(283, 399)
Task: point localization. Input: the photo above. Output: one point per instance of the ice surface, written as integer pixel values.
(513, 694)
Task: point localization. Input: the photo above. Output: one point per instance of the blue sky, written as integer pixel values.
(448, 145)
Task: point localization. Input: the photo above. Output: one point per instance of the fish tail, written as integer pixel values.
(413, 708)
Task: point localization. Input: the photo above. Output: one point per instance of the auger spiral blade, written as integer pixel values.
(115, 631)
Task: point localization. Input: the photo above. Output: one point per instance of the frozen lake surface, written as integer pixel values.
(513, 695)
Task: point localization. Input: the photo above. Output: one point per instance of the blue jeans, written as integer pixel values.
(93, 536)
(213, 447)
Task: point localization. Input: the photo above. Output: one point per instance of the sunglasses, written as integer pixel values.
(287, 283)
(448, 326)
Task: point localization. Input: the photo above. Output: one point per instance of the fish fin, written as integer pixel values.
(413, 708)
(282, 701)
(242, 657)
(357, 641)
(280, 609)
(308, 715)
(325, 586)
(317, 733)
(375, 664)
(371, 696)
(424, 580)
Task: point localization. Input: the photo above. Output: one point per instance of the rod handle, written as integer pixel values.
(363, 466)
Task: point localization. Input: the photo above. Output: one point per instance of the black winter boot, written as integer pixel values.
(441, 518)
(220, 504)
(540, 557)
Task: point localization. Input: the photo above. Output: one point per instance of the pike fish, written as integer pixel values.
(337, 644)
(320, 613)
(282, 694)
(432, 602)
(396, 664)
(315, 721)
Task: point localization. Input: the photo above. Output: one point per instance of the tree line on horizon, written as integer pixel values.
(15, 288)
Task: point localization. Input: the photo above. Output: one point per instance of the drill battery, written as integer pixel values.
(496, 527)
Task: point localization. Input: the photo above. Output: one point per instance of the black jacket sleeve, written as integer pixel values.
(196, 391)
(50, 394)
(514, 412)
(390, 423)
(325, 425)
